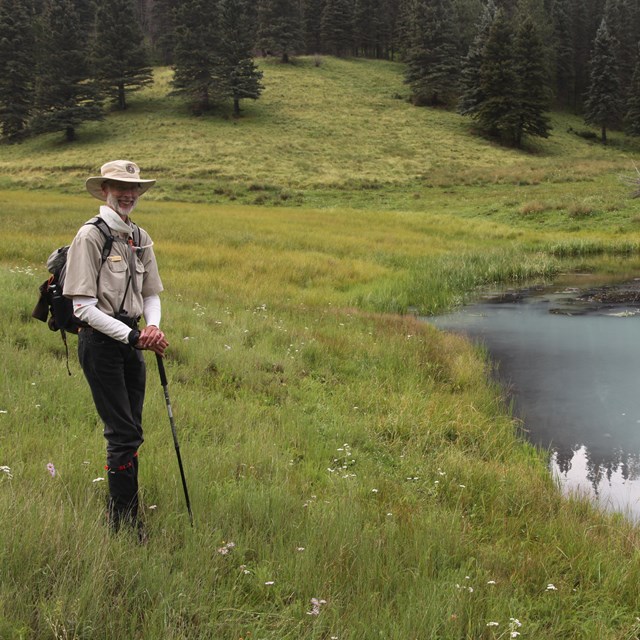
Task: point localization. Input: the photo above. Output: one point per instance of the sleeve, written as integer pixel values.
(152, 310)
(84, 261)
(86, 310)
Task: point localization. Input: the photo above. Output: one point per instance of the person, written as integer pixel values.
(111, 296)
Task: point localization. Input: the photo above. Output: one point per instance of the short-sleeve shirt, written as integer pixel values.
(88, 276)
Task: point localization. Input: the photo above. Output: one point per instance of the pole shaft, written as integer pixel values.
(165, 388)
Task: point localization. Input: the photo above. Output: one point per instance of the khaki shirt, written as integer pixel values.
(108, 283)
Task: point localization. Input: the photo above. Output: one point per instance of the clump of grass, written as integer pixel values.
(533, 208)
(580, 210)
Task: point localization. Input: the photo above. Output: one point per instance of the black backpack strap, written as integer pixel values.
(137, 239)
(106, 232)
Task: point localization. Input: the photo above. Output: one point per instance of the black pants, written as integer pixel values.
(116, 375)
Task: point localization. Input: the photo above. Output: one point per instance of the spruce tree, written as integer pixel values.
(619, 15)
(603, 106)
(433, 59)
(632, 116)
(498, 113)
(197, 59)
(65, 94)
(563, 53)
(241, 78)
(118, 55)
(279, 27)
(17, 62)
(311, 17)
(532, 84)
(162, 30)
(337, 27)
(471, 93)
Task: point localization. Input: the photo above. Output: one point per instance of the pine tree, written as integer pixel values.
(311, 11)
(603, 106)
(279, 27)
(197, 59)
(432, 59)
(532, 83)
(65, 95)
(467, 15)
(632, 116)
(337, 27)
(162, 29)
(17, 62)
(619, 15)
(118, 55)
(242, 79)
(563, 53)
(471, 93)
(498, 113)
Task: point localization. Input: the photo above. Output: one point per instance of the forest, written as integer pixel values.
(504, 63)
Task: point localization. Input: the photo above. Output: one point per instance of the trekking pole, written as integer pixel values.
(163, 381)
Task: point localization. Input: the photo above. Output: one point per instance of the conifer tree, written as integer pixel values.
(498, 114)
(118, 55)
(471, 93)
(279, 27)
(432, 58)
(603, 106)
(17, 63)
(65, 95)
(532, 84)
(311, 25)
(632, 116)
(337, 27)
(197, 59)
(563, 53)
(242, 79)
(162, 30)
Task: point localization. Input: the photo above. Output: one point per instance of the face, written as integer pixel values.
(122, 197)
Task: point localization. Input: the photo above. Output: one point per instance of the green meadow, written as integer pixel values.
(354, 473)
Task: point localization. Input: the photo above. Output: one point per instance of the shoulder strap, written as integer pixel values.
(137, 239)
(106, 232)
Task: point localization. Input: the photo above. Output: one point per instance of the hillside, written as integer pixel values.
(341, 133)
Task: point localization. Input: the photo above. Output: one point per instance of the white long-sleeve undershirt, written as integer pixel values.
(85, 309)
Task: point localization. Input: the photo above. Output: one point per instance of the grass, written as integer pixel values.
(350, 452)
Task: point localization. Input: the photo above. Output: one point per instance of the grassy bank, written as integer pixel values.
(335, 449)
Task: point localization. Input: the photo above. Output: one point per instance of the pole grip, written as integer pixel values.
(163, 374)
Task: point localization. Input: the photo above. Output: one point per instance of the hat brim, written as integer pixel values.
(94, 185)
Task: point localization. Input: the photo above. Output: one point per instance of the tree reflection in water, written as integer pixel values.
(571, 363)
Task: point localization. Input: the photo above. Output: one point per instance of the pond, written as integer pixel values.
(569, 357)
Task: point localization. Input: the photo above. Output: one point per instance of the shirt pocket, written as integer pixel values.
(139, 274)
(115, 275)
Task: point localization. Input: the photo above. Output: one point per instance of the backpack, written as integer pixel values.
(52, 307)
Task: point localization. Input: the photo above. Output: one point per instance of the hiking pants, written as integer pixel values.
(116, 375)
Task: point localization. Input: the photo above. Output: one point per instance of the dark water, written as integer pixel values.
(573, 370)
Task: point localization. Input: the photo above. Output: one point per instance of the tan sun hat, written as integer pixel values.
(121, 171)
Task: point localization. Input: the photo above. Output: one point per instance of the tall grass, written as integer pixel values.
(354, 472)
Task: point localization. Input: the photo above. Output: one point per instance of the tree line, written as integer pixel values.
(504, 63)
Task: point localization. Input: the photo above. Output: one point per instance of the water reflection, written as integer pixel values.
(574, 375)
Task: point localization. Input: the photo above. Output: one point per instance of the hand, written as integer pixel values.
(152, 339)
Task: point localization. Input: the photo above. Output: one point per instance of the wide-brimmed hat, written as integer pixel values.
(121, 171)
